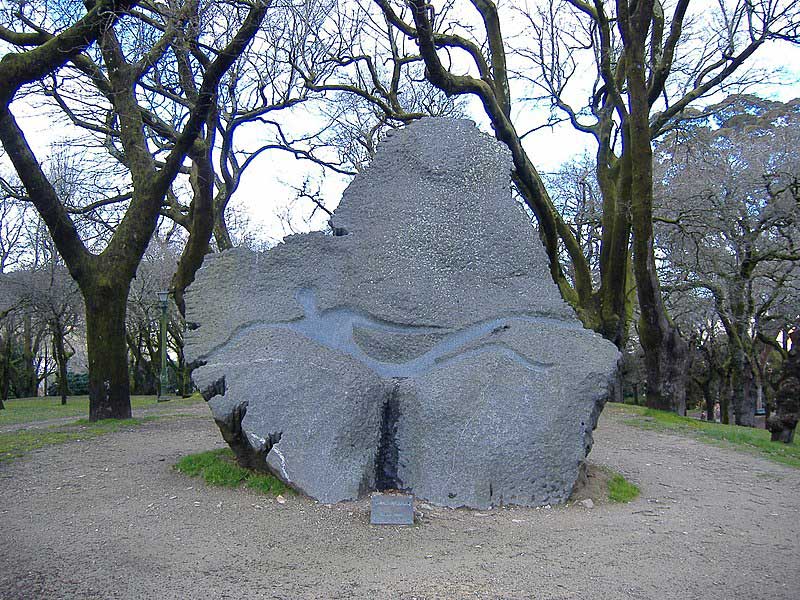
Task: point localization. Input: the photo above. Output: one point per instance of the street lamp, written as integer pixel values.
(163, 300)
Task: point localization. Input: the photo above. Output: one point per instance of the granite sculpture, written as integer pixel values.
(421, 346)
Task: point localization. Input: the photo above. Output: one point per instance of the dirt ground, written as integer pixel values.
(110, 518)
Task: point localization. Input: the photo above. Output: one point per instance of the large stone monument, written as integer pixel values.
(422, 346)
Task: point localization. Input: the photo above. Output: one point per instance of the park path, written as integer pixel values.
(109, 518)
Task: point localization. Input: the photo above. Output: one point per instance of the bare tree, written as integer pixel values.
(576, 195)
(13, 218)
(50, 299)
(144, 315)
(258, 86)
(367, 77)
(104, 278)
(727, 208)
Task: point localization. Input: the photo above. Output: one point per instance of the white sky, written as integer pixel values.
(266, 189)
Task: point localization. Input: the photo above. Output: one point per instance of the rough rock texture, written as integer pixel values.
(423, 347)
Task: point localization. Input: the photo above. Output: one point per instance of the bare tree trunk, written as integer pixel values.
(742, 390)
(613, 307)
(709, 398)
(184, 373)
(5, 380)
(221, 235)
(203, 222)
(109, 385)
(665, 363)
(29, 377)
(666, 353)
(783, 422)
(60, 355)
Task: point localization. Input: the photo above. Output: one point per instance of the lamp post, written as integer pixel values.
(163, 300)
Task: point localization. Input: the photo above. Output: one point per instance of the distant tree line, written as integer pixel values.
(42, 329)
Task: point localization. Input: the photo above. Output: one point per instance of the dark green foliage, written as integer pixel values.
(77, 384)
(15, 370)
(621, 490)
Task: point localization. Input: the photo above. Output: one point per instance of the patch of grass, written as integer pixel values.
(746, 439)
(621, 490)
(30, 410)
(17, 443)
(219, 468)
(194, 464)
(603, 484)
(267, 484)
(224, 474)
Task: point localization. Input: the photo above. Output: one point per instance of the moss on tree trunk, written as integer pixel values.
(109, 386)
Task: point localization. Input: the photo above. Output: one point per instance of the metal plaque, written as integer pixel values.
(392, 509)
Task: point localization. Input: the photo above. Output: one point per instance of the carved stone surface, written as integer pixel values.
(424, 348)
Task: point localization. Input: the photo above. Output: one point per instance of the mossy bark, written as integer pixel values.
(104, 279)
(606, 310)
(109, 384)
(666, 353)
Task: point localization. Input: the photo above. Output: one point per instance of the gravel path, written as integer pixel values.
(110, 518)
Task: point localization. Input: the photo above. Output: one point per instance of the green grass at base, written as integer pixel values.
(621, 490)
(30, 410)
(747, 439)
(16, 443)
(219, 468)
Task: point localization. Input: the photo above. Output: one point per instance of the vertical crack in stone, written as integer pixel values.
(386, 459)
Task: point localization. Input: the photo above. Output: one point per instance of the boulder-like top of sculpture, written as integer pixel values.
(422, 346)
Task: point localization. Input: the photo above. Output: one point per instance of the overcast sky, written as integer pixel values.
(266, 191)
